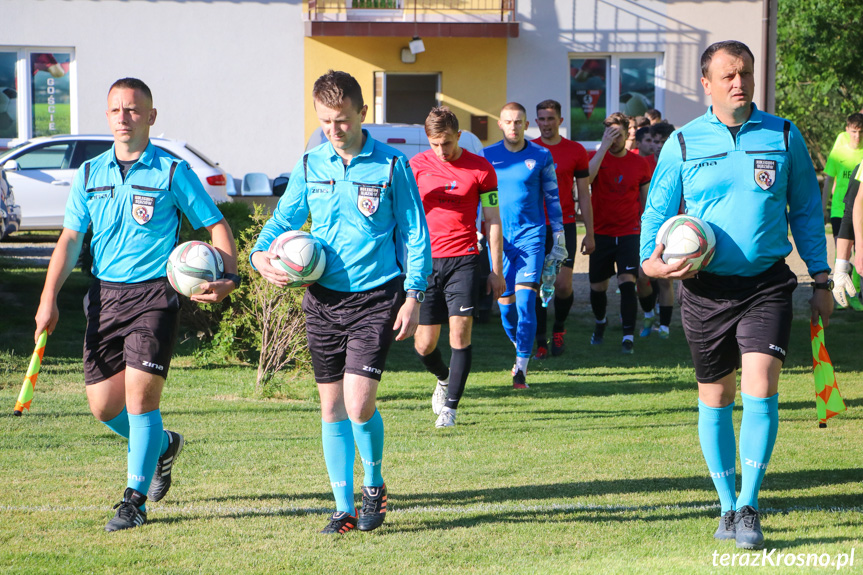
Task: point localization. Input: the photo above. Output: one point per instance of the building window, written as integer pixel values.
(603, 84)
(405, 98)
(42, 106)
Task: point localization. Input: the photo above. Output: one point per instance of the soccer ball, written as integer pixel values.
(192, 264)
(301, 256)
(8, 113)
(687, 237)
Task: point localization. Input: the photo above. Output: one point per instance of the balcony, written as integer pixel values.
(426, 18)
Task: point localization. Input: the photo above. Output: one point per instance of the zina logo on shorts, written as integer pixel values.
(372, 369)
(153, 365)
(776, 348)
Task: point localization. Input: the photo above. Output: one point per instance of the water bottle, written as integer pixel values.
(549, 274)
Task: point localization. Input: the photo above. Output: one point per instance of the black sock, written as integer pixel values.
(648, 302)
(628, 307)
(459, 370)
(598, 303)
(665, 312)
(541, 323)
(433, 362)
(562, 305)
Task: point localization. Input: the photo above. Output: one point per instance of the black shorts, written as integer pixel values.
(725, 316)
(129, 325)
(570, 236)
(452, 289)
(351, 332)
(620, 252)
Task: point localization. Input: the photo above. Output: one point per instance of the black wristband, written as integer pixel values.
(234, 278)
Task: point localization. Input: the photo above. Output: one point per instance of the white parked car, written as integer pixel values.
(41, 171)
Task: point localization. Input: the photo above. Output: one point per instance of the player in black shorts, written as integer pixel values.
(362, 198)
(453, 183)
(132, 196)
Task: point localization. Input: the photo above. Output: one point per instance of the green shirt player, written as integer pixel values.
(843, 158)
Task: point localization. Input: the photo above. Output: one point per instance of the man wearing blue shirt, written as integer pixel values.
(132, 196)
(361, 196)
(748, 175)
(527, 188)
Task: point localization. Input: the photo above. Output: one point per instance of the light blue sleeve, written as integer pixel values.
(291, 212)
(663, 197)
(192, 199)
(804, 207)
(77, 216)
(548, 179)
(411, 226)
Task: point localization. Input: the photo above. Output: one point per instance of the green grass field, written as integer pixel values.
(41, 120)
(596, 468)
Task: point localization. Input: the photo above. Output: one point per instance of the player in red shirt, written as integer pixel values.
(619, 182)
(453, 183)
(571, 167)
(649, 289)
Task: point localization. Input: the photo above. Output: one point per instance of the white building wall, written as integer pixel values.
(538, 60)
(226, 75)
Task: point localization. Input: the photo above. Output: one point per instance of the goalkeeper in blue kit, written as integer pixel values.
(527, 188)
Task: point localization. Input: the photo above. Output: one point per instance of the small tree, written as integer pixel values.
(265, 320)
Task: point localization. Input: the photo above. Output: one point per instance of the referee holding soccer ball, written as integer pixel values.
(748, 175)
(362, 197)
(132, 195)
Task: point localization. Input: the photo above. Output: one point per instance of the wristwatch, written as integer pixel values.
(234, 278)
(828, 285)
(416, 294)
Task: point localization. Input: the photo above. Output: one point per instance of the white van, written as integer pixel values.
(410, 139)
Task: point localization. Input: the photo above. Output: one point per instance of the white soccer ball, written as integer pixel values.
(687, 237)
(301, 255)
(8, 112)
(192, 264)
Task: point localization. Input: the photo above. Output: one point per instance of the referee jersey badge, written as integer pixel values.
(765, 173)
(530, 164)
(368, 199)
(142, 208)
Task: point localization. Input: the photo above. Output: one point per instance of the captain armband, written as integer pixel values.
(489, 199)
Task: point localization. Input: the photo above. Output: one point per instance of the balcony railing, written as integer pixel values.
(413, 10)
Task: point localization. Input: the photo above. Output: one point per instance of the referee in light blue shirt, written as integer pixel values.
(132, 195)
(361, 196)
(748, 175)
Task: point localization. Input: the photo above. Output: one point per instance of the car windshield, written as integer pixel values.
(204, 158)
(6, 153)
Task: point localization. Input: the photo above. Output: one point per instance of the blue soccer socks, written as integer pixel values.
(339, 452)
(369, 437)
(120, 424)
(716, 433)
(146, 436)
(509, 319)
(757, 437)
(525, 303)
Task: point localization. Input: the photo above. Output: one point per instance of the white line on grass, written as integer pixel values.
(466, 510)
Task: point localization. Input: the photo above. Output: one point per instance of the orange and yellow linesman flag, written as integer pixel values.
(29, 385)
(828, 401)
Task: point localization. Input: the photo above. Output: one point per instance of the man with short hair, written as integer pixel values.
(361, 196)
(132, 196)
(649, 289)
(570, 163)
(526, 184)
(841, 162)
(453, 183)
(619, 182)
(741, 302)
